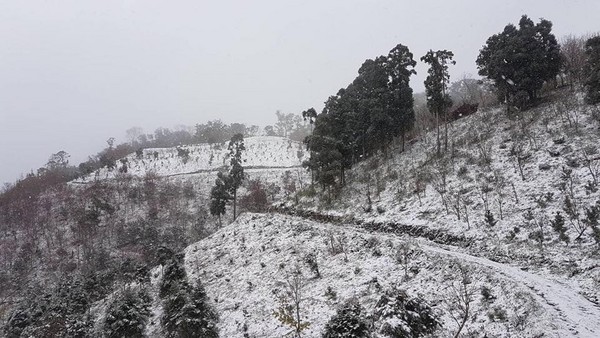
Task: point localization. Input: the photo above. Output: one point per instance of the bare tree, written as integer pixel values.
(439, 181)
(499, 185)
(404, 255)
(133, 134)
(521, 156)
(290, 301)
(592, 164)
(572, 50)
(461, 297)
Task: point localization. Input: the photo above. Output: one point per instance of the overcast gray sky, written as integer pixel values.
(74, 73)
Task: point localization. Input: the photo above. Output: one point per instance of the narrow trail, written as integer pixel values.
(575, 316)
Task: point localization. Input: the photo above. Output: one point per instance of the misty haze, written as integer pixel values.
(299, 169)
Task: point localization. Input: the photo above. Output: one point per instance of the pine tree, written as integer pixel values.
(186, 312)
(198, 318)
(402, 316)
(236, 171)
(436, 85)
(592, 83)
(173, 274)
(127, 314)
(400, 66)
(558, 225)
(520, 60)
(348, 322)
(489, 218)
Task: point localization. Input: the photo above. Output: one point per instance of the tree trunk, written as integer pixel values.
(234, 203)
(437, 124)
(403, 139)
(445, 133)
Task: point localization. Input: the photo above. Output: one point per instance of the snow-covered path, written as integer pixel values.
(575, 315)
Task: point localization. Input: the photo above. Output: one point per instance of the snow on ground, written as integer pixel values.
(574, 314)
(261, 152)
(244, 267)
(153, 328)
(551, 144)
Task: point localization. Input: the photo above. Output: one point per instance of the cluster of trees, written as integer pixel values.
(290, 125)
(59, 311)
(186, 311)
(362, 118)
(520, 60)
(397, 315)
(105, 227)
(374, 110)
(377, 107)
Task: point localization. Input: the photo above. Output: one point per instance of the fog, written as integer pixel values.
(74, 73)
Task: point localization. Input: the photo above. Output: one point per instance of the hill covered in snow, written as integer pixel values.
(475, 229)
(261, 152)
(497, 236)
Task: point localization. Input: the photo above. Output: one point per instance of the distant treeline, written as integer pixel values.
(58, 170)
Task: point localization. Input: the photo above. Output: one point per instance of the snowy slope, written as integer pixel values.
(555, 138)
(245, 265)
(261, 152)
(574, 314)
(549, 290)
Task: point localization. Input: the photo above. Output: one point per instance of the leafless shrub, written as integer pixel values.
(592, 162)
(405, 253)
(439, 181)
(336, 244)
(572, 50)
(290, 297)
(520, 155)
(567, 108)
(461, 295)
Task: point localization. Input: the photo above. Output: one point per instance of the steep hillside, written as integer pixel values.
(249, 266)
(467, 240)
(111, 224)
(500, 185)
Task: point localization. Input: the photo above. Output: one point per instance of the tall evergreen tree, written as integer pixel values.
(236, 171)
(198, 318)
(520, 60)
(186, 312)
(436, 85)
(400, 65)
(375, 103)
(592, 83)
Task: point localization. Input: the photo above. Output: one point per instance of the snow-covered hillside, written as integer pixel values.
(245, 267)
(261, 152)
(522, 170)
